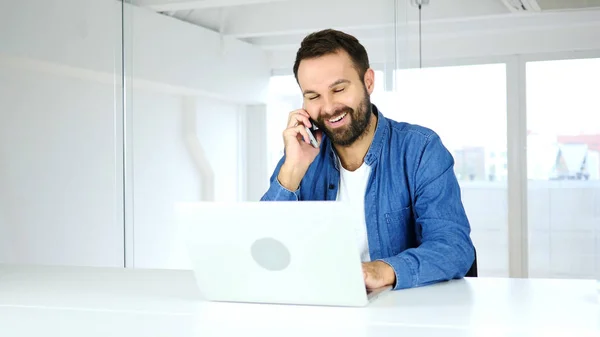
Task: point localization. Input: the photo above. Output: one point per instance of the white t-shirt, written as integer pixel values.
(353, 185)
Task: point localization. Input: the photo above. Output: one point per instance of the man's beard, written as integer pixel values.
(359, 123)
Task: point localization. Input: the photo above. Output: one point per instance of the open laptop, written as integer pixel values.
(284, 252)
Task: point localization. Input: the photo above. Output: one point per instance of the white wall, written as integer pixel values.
(59, 176)
(256, 170)
(59, 180)
(189, 58)
(86, 35)
(164, 172)
(217, 127)
(60, 119)
(80, 34)
(196, 70)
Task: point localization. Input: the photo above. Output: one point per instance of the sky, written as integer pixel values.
(563, 97)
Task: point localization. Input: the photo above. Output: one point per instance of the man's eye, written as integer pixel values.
(313, 97)
(339, 90)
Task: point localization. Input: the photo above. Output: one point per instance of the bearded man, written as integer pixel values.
(399, 177)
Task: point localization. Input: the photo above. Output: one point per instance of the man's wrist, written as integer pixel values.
(388, 273)
(290, 176)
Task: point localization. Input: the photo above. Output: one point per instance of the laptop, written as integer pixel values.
(277, 252)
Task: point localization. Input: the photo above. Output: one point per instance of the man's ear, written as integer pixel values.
(369, 80)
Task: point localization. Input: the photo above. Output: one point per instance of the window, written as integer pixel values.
(563, 159)
(468, 111)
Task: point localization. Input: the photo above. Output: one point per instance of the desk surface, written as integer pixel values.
(78, 301)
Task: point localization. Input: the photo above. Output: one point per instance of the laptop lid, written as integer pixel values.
(274, 252)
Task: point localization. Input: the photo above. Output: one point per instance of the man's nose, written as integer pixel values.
(328, 105)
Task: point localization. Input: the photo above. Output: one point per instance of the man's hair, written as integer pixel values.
(330, 41)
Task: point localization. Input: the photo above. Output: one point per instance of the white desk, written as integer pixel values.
(63, 301)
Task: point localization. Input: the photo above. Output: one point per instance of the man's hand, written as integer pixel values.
(298, 150)
(378, 274)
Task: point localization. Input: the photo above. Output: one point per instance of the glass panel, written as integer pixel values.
(60, 108)
(194, 97)
(563, 160)
(466, 106)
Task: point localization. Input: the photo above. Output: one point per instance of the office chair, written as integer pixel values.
(473, 270)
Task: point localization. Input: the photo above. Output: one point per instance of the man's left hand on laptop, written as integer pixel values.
(378, 274)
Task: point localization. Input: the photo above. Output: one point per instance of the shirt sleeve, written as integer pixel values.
(276, 191)
(446, 250)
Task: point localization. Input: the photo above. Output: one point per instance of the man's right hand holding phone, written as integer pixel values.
(299, 153)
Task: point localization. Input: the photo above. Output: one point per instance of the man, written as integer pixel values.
(399, 176)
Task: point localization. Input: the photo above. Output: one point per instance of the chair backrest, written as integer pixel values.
(473, 270)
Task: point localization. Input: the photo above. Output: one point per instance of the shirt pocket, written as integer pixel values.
(400, 232)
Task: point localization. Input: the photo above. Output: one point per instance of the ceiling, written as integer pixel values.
(271, 23)
(278, 26)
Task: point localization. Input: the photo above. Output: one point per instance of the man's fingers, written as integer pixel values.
(365, 272)
(298, 116)
(304, 133)
(369, 281)
(296, 131)
(301, 112)
(298, 119)
(370, 276)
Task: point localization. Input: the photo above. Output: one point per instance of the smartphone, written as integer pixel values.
(313, 128)
(313, 139)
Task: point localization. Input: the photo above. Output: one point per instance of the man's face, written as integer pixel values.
(335, 97)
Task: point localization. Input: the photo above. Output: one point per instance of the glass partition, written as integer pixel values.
(209, 90)
(61, 195)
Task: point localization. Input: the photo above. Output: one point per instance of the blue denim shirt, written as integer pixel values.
(414, 214)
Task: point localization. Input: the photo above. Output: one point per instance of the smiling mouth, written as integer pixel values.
(338, 119)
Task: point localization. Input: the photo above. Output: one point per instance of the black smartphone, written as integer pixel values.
(310, 131)
(313, 126)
